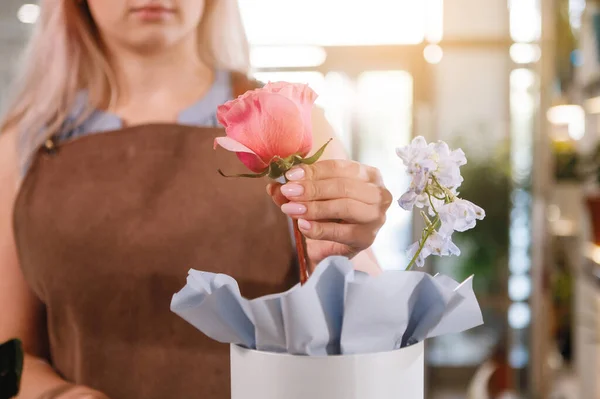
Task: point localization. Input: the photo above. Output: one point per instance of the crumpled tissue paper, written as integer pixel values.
(339, 311)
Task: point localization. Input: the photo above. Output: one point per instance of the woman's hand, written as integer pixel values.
(340, 206)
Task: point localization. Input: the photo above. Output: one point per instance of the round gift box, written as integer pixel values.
(397, 374)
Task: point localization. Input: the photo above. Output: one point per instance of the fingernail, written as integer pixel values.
(269, 189)
(295, 174)
(292, 190)
(293, 209)
(303, 224)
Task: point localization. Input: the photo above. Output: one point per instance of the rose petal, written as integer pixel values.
(275, 121)
(304, 97)
(268, 123)
(299, 93)
(234, 112)
(252, 162)
(231, 145)
(223, 109)
(246, 155)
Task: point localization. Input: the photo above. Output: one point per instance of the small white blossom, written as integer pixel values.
(435, 172)
(436, 244)
(448, 162)
(419, 162)
(442, 245)
(459, 215)
(437, 204)
(418, 152)
(425, 161)
(410, 199)
(418, 157)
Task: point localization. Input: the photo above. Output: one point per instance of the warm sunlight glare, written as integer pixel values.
(341, 22)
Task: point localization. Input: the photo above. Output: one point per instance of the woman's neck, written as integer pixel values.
(160, 84)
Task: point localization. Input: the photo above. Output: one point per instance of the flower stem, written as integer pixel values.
(427, 233)
(449, 196)
(301, 252)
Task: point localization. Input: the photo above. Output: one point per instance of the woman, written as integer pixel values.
(116, 197)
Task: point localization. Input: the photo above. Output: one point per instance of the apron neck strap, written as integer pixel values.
(241, 83)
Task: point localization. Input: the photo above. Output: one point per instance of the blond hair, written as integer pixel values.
(64, 56)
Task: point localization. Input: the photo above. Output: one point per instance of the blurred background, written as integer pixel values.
(516, 84)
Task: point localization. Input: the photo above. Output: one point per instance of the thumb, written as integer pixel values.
(274, 190)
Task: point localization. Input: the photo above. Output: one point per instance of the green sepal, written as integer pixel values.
(316, 155)
(249, 175)
(279, 166)
(276, 170)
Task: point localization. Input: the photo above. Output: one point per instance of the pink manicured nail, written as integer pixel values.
(293, 209)
(303, 224)
(295, 174)
(292, 190)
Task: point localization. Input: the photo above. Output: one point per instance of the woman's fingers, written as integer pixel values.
(273, 189)
(352, 235)
(347, 210)
(335, 168)
(320, 190)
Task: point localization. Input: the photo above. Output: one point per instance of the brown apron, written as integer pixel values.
(107, 227)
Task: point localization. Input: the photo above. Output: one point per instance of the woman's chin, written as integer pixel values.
(154, 39)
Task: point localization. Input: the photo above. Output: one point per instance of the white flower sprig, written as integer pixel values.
(435, 172)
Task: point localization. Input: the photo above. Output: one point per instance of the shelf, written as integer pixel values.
(591, 268)
(592, 88)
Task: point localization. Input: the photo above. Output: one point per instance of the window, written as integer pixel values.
(341, 22)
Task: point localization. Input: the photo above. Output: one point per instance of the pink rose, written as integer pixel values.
(267, 124)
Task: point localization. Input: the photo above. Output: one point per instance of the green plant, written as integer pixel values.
(487, 183)
(566, 161)
(589, 165)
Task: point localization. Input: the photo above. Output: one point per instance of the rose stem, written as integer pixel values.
(302, 254)
(300, 250)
